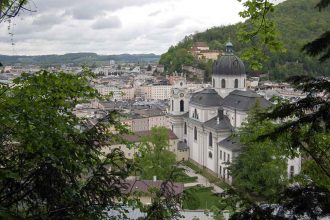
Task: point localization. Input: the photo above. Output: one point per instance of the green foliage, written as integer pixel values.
(11, 8)
(260, 168)
(51, 169)
(199, 197)
(154, 158)
(260, 32)
(296, 23)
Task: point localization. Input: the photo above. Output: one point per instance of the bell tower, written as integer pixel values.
(179, 104)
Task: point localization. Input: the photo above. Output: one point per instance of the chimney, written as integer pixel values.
(154, 178)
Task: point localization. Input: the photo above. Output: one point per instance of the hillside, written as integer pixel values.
(297, 21)
(78, 59)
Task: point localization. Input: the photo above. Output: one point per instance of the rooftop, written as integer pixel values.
(206, 98)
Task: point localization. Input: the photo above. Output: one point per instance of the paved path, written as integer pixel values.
(201, 180)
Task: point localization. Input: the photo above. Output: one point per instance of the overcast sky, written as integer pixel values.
(112, 26)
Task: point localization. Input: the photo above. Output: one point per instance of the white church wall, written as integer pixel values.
(294, 166)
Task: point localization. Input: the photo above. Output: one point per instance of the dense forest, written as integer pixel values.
(78, 59)
(297, 21)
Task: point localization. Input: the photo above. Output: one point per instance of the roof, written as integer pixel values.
(182, 146)
(133, 186)
(200, 44)
(223, 124)
(231, 144)
(244, 100)
(206, 98)
(137, 136)
(228, 64)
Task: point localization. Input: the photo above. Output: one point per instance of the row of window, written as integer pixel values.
(224, 155)
(223, 83)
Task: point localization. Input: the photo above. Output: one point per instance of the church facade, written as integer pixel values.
(204, 121)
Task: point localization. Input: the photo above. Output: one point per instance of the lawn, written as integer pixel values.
(199, 197)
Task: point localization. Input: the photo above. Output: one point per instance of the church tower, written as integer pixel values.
(228, 73)
(179, 104)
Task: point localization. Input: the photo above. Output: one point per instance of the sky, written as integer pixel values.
(111, 26)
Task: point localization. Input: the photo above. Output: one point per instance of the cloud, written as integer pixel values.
(48, 20)
(154, 13)
(112, 26)
(107, 23)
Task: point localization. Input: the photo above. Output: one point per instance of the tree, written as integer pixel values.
(260, 168)
(154, 157)
(307, 123)
(11, 8)
(52, 163)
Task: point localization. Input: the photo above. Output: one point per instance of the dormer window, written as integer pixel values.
(195, 114)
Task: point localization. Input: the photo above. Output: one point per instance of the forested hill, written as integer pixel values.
(298, 22)
(78, 59)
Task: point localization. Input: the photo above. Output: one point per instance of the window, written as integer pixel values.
(181, 106)
(185, 128)
(291, 171)
(220, 154)
(223, 83)
(210, 155)
(185, 140)
(172, 105)
(210, 139)
(195, 115)
(195, 134)
(244, 83)
(213, 83)
(236, 83)
(228, 159)
(227, 175)
(224, 156)
(224, 172)
(220, 171)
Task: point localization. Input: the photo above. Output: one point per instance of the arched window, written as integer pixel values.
(181, 106)
(213, 83)
(172, 105)
(236, 83)
(185, 128)
(223, 83)
(210, 139)
(195, 134)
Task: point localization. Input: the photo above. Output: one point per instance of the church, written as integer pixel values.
(204, 121)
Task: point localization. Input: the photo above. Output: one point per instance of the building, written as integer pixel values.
(205, 120)
(144, 190)
(180, 150)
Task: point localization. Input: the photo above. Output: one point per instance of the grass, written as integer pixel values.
(184, 178)
(199, 197)
(208, 175)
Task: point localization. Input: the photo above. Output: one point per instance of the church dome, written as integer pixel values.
(229, 64)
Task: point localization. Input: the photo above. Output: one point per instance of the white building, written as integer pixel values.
(205, 120)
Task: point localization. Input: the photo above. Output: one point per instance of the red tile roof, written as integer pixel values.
(145, 185)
